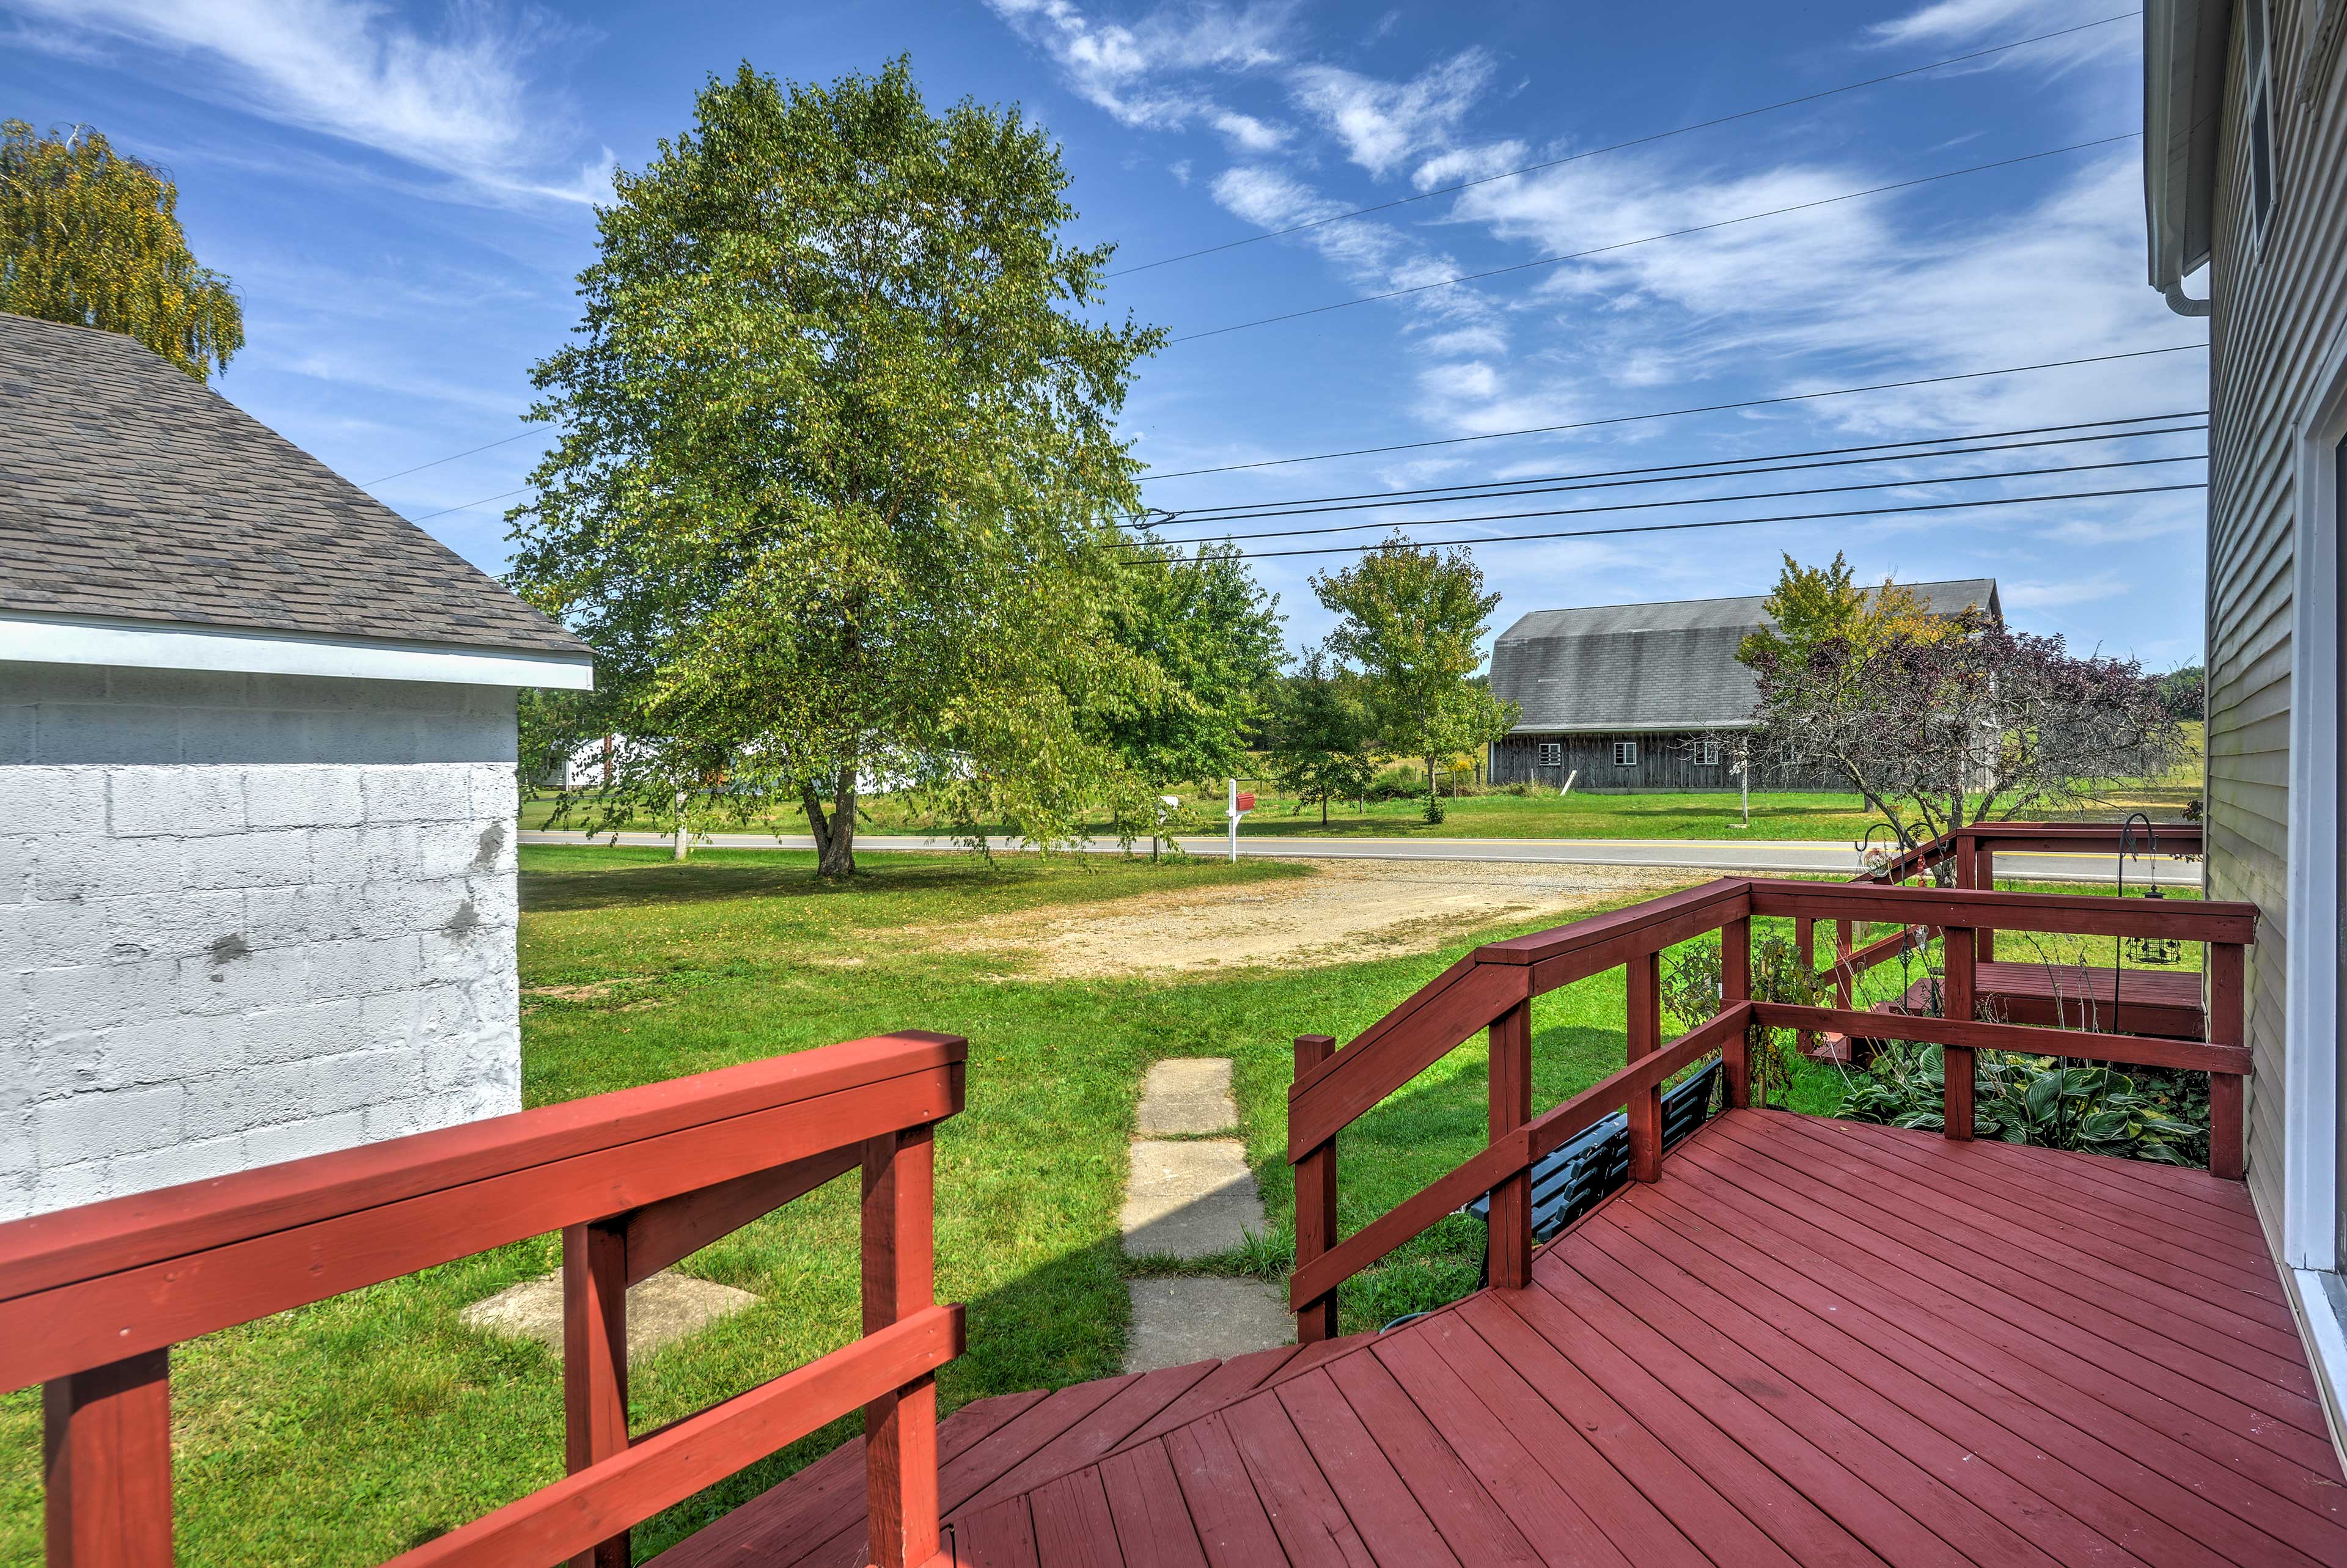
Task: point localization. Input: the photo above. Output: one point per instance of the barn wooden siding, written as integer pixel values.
(1665, 763)
(2280, 301)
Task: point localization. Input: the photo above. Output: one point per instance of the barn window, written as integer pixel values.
(1706, 753)
(2261, 113)
(1626, 754)
(1552, 754)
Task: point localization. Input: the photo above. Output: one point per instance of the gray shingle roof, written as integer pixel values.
(129, 491)
(1652, 666)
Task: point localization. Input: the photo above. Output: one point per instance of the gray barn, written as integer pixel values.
(1621, 697)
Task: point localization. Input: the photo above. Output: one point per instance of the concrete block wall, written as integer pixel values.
(245, 919)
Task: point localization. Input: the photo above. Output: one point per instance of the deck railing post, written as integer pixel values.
(2225, 1110)
(1509, 1233)
(1956, 1061)
(1983, 880)
(1845, 978)
(595, 1360)
(1644, 1036)
(107, 1452)
(900, 1428)
(1736, 986)
(1316, 1202)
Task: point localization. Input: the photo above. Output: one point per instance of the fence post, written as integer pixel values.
(2225, 1155)
(900, 1428)
(1644, 1037)
(106, 1439)
(595, 1360)
(1956, 1061)
(1736, 986)
(1316, 1202)
(1508, 1233)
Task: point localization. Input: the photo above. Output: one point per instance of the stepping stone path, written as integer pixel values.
(1192, 1196)
(661, 1310)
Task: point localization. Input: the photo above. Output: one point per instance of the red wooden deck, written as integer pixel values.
(2163, 1003)
(1810, 1342)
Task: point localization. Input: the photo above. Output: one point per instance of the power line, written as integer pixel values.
(1670, 413)
(1606, 482)
(1615, 147)
(502, 441)
(1144, 544)
(1649, 239)
(1731, 522)
(469, 505)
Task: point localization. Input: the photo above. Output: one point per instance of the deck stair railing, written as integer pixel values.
(93, 1298)
(1491, 989)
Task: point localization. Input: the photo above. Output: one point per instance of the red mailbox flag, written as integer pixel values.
(1247, 801)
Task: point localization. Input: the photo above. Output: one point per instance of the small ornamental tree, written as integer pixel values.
(1961, 720)
(91, 238)
(1412, 618)
(1322, 734)
(837, 464)
(1203, 638)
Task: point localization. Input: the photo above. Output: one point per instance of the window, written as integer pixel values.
(1552, 754)
(2260, 114)
(1626, 754)
(1706, 753)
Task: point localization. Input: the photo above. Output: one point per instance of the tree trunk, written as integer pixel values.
(834, 831)
(683, 840)
(1324, 808)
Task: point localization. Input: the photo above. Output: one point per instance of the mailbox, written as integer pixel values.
(1246, 801)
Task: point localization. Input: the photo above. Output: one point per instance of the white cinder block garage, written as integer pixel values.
(257, 747)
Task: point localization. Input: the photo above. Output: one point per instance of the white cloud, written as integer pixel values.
(459, 103)
(1381, 123)
(1133, 70)
(1964, 24)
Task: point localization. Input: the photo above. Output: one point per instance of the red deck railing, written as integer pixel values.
(1492, 989)
(92, 1298)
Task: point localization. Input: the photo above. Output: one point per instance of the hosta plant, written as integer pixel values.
(2020, 1099)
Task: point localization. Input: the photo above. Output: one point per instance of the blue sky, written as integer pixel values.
(401, 195)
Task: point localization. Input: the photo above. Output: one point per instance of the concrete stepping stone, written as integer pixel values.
(661, 1310)
(1178, 1321)
(1191, 1199)
(1187, 1096)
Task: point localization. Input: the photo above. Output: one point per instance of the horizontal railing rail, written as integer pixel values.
(1491, 990)
(93, 1298)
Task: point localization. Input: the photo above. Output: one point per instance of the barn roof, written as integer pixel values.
(1669, 666)
(131, 492)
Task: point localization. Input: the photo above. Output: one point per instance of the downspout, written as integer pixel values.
(2182, 304)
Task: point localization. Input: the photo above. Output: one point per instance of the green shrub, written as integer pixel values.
(1692, 983)
(2088, 1108)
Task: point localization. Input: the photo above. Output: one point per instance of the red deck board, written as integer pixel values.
(1073, 1528)
(2019, 1360)
(2016, 1294)
(2051, 1249)
(1232, 1379)
(1153, 1518)
(1470, 1522)
(1808, 1344)
(1860, 1441)
(1232, 1525)
(2124, 1235)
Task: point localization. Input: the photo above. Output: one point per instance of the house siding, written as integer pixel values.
(245, 919)
(1667, 762)
(2280, 301)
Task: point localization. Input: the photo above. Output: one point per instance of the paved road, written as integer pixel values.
(1762, 857)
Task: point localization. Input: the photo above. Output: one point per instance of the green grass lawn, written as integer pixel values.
(349, 1430)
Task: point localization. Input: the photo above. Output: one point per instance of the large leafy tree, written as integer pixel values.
(92, 238)
(1938, 721)
(1204, 641)
(1323, 738)
(1411, 618)
(838, 459)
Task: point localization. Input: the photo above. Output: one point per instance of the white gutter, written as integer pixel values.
(36, 640)
(2184, 49)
